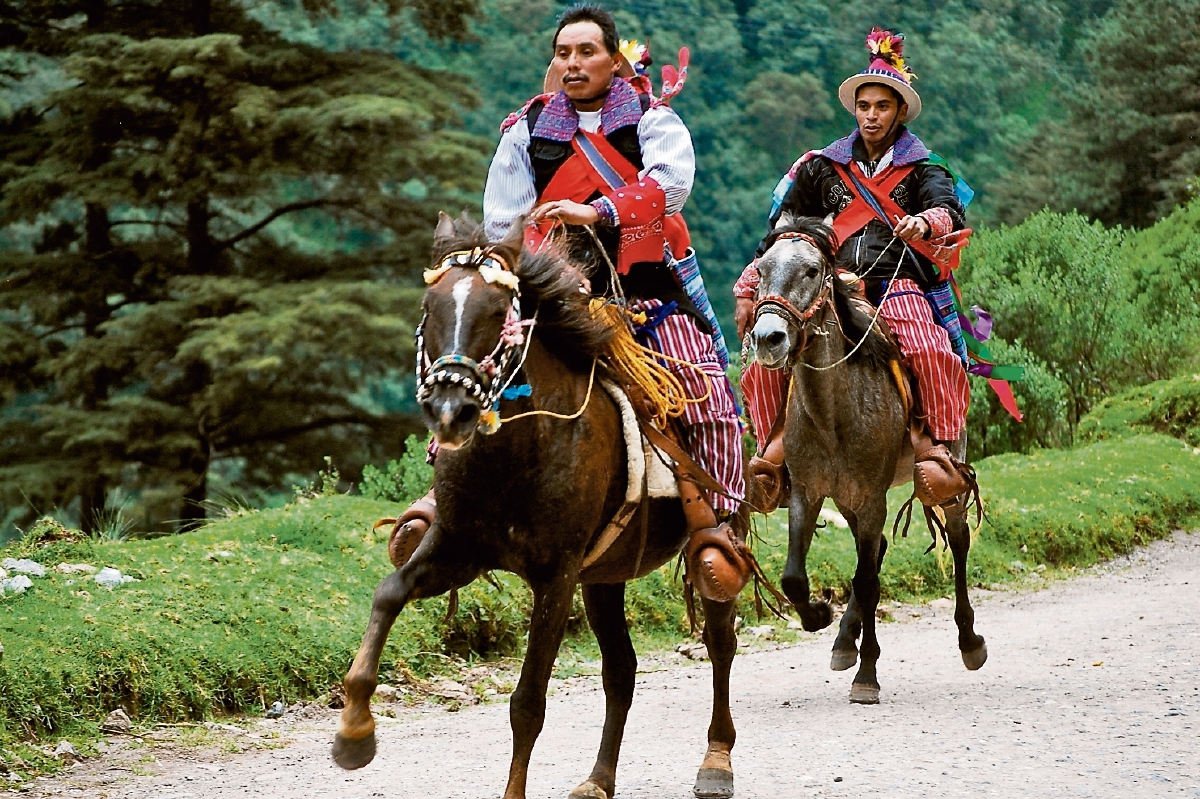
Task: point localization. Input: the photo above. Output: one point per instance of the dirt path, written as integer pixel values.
(1092, 689)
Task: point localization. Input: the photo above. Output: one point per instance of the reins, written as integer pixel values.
(774, 303)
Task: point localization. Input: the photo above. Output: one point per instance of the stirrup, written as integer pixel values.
(772, 481)
(409, 530)
(938, 477)
(716, 563)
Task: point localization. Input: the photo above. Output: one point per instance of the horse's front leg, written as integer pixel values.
(868, 538)
(605, 605)
(802, 522)
(715, 778)
(958, 531)
(354, 745)
(845, 646)
(527, 707)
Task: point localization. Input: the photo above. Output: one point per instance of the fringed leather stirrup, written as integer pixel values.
(715, 559)
(937, 476)
(409, 530)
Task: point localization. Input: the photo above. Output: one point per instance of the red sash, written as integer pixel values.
(640, 204)
(943, 252)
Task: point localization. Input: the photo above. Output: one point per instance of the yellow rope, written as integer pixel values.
(587, 399)
(638, 365)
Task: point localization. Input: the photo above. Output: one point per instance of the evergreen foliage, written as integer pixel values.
(212, 243)
(1126, 151)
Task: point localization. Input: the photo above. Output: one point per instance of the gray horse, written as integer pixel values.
(846, 437)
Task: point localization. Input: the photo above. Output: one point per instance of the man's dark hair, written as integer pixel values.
(590, 12)
(899, 97)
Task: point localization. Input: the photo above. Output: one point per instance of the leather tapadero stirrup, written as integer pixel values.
(409, 530)
(716, 566)
(937, 476)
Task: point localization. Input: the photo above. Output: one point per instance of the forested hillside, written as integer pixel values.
(213, 214)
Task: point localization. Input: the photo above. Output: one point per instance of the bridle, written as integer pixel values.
(776, 304)
(485, 380)
(802, 319)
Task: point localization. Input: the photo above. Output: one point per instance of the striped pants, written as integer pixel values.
(711, 432)
(941, 379)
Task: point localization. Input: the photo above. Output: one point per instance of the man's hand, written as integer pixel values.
(743, 312)
(566, 211)
(911, 227)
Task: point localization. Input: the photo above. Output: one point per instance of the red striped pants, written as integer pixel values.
(711, 432)
(941, 379)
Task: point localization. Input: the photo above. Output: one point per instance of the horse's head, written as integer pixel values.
(471, 334)
(796, 279)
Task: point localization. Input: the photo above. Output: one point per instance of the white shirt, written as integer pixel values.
(667, 157)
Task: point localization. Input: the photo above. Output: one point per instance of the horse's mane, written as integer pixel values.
(877, 350)
(549, 287)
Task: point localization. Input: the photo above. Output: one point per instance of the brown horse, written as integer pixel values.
(532, 497)
(846, 438)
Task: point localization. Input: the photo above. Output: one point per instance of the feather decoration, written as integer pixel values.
(889, 47)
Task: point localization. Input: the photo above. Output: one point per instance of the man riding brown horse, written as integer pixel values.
(602, 168)
(881, 171)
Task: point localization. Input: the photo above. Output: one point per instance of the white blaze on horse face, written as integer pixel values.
(460, 292)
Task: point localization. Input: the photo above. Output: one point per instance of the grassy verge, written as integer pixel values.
(270, 605)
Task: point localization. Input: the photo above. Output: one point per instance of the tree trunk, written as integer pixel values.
(192, 512)
(201, 17)
(93, 484)
(202, 250)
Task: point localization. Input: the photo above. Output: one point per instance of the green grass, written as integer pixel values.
(279, 617)
(1167, 406)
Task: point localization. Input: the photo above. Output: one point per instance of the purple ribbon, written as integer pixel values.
(981, 369)
(982, 329)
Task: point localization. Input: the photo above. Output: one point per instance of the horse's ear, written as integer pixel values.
(445, 227)
(514, 239)
(785, 220)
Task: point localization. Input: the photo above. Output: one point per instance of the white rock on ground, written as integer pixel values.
(110, 578)
(65, 751)
(386, 693)
(75, 568)
(765, 631)
(24, 566)
(117, 721)
(16, 585)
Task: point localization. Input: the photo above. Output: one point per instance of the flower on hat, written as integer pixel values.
(635, 52)
(889, 47)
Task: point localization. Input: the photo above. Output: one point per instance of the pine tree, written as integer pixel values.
(230, 225)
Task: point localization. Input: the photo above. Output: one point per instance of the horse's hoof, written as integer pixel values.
(351, 754)
(713, 783)
(815, 616)
(843, 659)
(863, 694)
(975, 659)
(588, 790)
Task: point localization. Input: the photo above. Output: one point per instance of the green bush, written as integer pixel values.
(1167, 406)
(400, 481)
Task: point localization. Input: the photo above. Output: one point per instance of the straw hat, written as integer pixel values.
(887, 67)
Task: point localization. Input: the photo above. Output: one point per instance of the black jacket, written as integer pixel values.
(819, 191)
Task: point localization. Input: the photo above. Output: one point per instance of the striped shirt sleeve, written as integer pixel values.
(510, 191)
(667, 155)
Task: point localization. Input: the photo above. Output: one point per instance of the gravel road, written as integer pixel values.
(1092, 689)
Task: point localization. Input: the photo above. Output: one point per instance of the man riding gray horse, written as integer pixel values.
(881, 171)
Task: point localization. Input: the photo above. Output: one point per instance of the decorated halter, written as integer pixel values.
(781, 306)
(484, 380)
